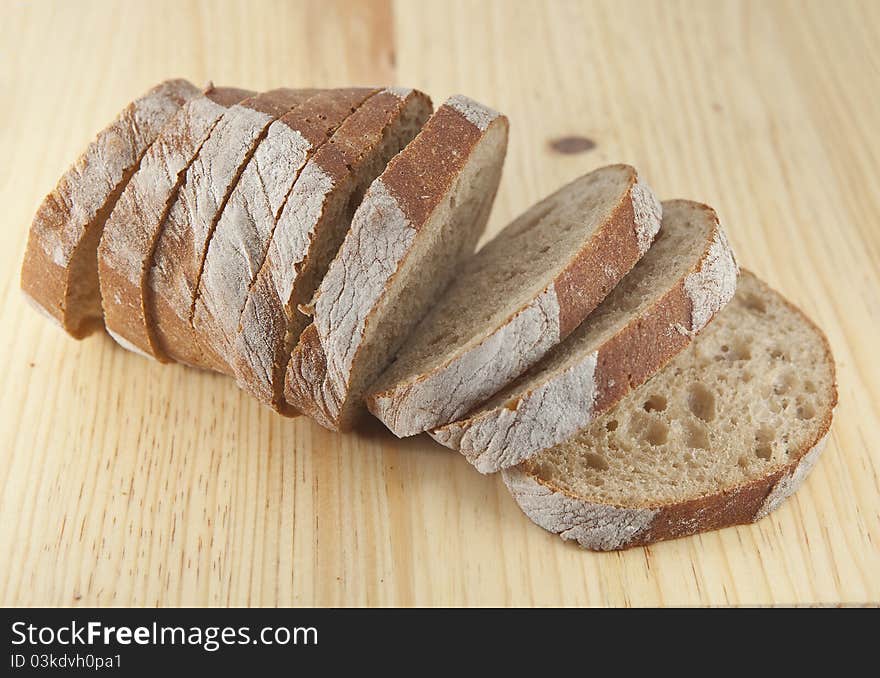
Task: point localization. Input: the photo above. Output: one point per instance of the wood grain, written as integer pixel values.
(126, 482)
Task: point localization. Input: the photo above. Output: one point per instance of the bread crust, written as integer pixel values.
(384, 231)
(568, 401)
(270, 322)
(599, 526)
(60, 269)
(179, 254)
(450, 390)
(238, 247)
(131, 232)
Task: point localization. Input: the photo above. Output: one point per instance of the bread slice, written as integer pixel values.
(245, 229)
(721, 436)
(134, 225)
(519, 296)
(311, 229)
(416, 224)
(671, 294)
(179, 254)
(60, 270)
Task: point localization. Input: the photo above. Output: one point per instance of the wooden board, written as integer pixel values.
(126, 482)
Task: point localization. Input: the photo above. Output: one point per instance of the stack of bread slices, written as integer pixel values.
(603, 351)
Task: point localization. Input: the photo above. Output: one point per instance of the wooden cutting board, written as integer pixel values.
(126, 482)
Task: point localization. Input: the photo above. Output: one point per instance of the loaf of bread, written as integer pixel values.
(318, 246)
(238, 248)
(415, 225)
(180, 251)
(310, 230)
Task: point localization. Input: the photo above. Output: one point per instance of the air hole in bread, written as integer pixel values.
(595, 461)
(784, 383)
(764, 451)
(778, 353)
(806, 411)
(754, 303)
(656, 433)
(701, 402)
(742, 349)
(697, 437)
(809, 386)
(611, 425)
(656, 403)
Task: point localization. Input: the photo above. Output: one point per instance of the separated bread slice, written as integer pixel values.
(519, 296)
(311, 228)
(179, 254)
(671, 294)
(721, 436)
(60, 270)
(242, 235)
(130, 235)
(416, 223)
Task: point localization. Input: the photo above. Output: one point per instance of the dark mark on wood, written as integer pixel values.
(571, 145)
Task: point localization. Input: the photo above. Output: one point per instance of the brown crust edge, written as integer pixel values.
(738, 505)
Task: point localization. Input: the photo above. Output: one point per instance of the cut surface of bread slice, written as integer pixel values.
(173, 278)
(415, 225)
(245, 228)
(60, 270)
(519, 296)
(126, 249)
(721, 436)
(311, 228)
(651, 315)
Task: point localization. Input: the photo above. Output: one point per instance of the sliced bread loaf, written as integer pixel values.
(721, 436)
(651, 315)
(242, 236)
(519, 296)
(130, 235)
(311, 228)
(415, 225)
(60, 270)
(179, 254)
